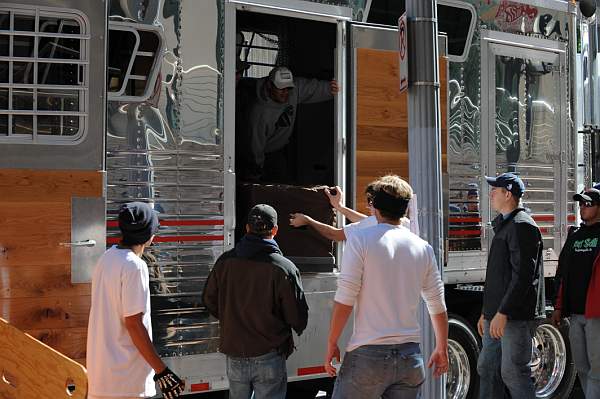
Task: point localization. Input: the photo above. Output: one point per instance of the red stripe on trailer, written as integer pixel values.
(455, 233)
(115, 240)
(204, 222)
(199, 387)
(311, 370)
(550, 218)
(187, 222)
(466, 219)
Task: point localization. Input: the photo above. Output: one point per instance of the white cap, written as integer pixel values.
(282, 78)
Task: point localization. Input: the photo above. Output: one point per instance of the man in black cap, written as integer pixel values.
(578, 279)
(257, 295)
(121, 360)
(511, 299)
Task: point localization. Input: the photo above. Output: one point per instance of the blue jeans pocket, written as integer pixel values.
(414, 370)
(368, 369)
(270, 370)
(236, 370)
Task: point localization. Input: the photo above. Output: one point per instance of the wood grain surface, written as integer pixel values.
(382, 119)
(36, 293)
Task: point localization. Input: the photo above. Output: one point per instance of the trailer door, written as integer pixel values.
(52, 87)
(378, 138)
(524, 126)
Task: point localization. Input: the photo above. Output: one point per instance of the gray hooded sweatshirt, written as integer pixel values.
(270, 124)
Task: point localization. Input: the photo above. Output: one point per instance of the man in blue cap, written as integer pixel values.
(511, 299)
(121, 360)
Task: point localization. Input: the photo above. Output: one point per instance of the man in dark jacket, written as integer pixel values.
(257, 295)
(513, 278)
(578, 277)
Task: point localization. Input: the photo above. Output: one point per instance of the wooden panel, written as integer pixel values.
(382, 119)
(68, 341)
(48, 185)
(381, 138)
(36, 293)
(46, 313)
(40, 281)
(32, 231)
(34, 370)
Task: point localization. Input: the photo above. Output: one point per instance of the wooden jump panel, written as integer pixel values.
(382, 119)
(36, 293)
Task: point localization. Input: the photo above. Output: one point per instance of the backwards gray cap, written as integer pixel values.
(282, 78)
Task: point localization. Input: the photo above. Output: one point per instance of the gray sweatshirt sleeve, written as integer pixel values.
(312, 90)
(257, 130)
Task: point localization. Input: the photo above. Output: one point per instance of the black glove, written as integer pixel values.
(170, 385)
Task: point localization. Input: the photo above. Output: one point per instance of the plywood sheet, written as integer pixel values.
(382, 119)
(33, 370)
(36, 293)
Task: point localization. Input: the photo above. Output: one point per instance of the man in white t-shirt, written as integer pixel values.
(385, 272)
(357, 219)
(121, 360)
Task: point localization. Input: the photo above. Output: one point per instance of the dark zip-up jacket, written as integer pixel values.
(579, 241)
(514, 276)
(256, 293)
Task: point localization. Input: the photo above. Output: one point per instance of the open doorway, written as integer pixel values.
(286, 146)
(307, 49)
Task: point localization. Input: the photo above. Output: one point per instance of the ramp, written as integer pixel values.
(30, 369)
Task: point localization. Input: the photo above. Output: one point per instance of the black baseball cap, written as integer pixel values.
(138, 222)
(509, 181)
(262, 218)
(591, 195)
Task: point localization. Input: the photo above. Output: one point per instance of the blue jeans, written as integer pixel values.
(584, 336)
(386, 371)
(266, 375)
(505, 362)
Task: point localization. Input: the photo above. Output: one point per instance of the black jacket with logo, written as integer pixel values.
(514, 275)
(575, 269)
(256, 293)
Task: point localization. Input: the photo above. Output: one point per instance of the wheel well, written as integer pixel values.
(464, 303)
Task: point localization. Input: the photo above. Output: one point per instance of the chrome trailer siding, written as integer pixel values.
(171, 150)
(168, 150)
(469, 154)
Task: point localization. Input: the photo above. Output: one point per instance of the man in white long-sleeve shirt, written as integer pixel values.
(385, 271)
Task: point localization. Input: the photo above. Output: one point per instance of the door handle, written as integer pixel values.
(86, 243)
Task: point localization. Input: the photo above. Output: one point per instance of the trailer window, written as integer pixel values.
(458, 23)
(43, 76)
(455, 18)
(133, 54)
(261, 52)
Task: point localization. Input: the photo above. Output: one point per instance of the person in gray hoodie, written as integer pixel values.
(269, 120)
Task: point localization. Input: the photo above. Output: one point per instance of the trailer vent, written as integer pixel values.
(43, 75)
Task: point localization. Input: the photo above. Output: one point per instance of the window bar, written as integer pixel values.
(10, 72)
(35, 67)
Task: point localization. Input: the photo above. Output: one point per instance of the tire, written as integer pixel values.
(462, 381)
(552, 366)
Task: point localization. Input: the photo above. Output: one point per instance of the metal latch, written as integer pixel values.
(86, 243)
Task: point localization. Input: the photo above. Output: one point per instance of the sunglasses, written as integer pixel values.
(586, 204)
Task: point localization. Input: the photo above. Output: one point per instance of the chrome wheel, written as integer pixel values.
(548, 360)
(459, 371)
